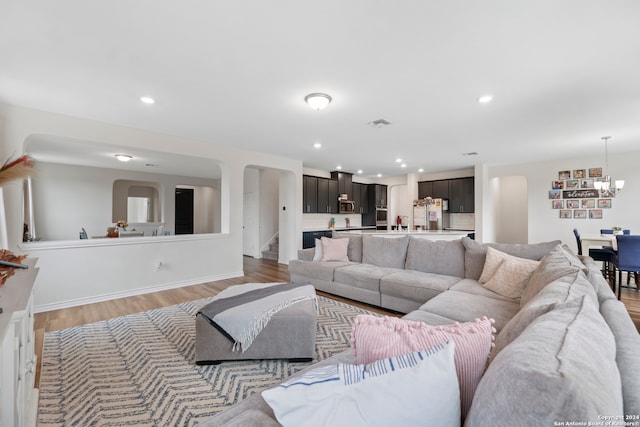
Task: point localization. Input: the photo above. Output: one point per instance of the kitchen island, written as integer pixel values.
(424, 234)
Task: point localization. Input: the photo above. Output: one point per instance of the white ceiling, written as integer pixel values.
(563, 73)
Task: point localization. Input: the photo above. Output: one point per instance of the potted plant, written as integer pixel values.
(617, 230)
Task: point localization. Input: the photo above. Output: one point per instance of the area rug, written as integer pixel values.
(140, 370)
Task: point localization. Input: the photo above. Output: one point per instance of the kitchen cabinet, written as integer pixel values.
(425, 189)
(461, 195)
(309, 194)
(345, 185)
(309, 237)
(380, 194)
(442, 189)
(360, 198)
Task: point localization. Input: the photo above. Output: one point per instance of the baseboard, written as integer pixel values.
(132, 292)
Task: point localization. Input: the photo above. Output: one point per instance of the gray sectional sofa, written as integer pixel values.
(565, 351)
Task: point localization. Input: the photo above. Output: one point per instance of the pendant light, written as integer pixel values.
(604, 183)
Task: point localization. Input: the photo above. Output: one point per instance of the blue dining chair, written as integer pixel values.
(627, 258)
(604, 254)
(610, 231)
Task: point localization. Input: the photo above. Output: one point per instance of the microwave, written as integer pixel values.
(347, 207)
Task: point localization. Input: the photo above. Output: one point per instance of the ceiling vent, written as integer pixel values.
(380, 123)
(470, 153)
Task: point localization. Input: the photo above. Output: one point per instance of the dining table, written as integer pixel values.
(598, 240)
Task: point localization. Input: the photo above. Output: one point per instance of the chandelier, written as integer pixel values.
(604, 183)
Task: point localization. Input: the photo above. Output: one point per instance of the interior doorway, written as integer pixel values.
(184, 211)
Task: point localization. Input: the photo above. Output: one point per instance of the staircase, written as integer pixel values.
(273, 251)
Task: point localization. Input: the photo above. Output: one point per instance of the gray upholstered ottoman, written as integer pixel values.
(290, 334)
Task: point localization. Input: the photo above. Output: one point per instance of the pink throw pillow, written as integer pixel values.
(334, 249)
(374, 338)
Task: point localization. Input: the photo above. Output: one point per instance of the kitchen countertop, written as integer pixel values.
(306, 230)
(427, 234)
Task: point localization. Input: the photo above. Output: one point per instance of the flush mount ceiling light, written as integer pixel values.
(123, 157)
(147, 100)
(318, 101)
(604, 184)
(485, 98)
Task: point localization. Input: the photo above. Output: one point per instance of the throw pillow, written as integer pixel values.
(511, 277)
(493, 259)
(334, 249)
(374, 338)
(414, 389)
(317, 255)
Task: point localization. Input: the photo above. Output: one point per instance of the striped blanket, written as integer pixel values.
(242, 311)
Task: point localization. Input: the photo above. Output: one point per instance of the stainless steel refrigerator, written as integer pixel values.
(433, 215)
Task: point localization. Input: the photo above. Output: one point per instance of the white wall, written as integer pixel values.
(544, 223)
(511, 209)
(82, 272)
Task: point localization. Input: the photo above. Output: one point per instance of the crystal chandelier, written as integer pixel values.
(604, 183)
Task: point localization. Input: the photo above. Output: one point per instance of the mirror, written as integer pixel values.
(82, 185)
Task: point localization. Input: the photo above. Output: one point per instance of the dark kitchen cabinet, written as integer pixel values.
(309, 238)
(360, 198)
(309, 194)
(461, 195)
(442, 189)
(333, 196)
(425, 189)
(345, 185)
(380, 194)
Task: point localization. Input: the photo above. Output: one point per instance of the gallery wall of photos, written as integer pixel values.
(574, 195)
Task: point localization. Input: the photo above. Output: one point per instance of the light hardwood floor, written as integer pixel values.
(255, 270)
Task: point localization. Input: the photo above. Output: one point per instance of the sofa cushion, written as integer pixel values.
(471, 286)
(316, 270)
(627, 338)
(417, 386)
(354, 252)
(552, 266)
(440, 257)
(334, 249)
(558, 292)
(552, 373)
(475, 253)
(465, 307)
(415, 285)
(363, 276)
(385, 251)
(317, 254)
(428, 318)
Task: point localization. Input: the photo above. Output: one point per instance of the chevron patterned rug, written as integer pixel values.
(139, 370)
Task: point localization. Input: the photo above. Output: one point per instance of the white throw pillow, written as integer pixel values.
(317, 254)
(415, 389)
(492, 262)
(334, 249)
(511, 277)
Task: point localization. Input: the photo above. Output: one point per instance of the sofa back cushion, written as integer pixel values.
(475, 253)
(548, 374)
(553, 266)
(439, 257)
(354, 250)
(388, 252)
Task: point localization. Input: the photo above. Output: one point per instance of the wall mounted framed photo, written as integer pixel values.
(565, 214)
(595, 213)
(564, 175)
(595, 172)
(580, 214)
(572, 184)
(573, 204)
(604, 203)
(557, 204)
(608, 193)
(588, 203)
(557, 185)
(586, 183)
(579, 173)
(555, 194)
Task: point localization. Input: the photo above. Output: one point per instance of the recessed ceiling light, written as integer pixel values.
(317, 145)
(360, 171)
(398, 160)
(404, 165)
(318, 101)
(147, 100)
(485, 98)
(420, 170)
(123, 157)
(338, 167)
(379, 175)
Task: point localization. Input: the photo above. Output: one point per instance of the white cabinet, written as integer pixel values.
(18, 397)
